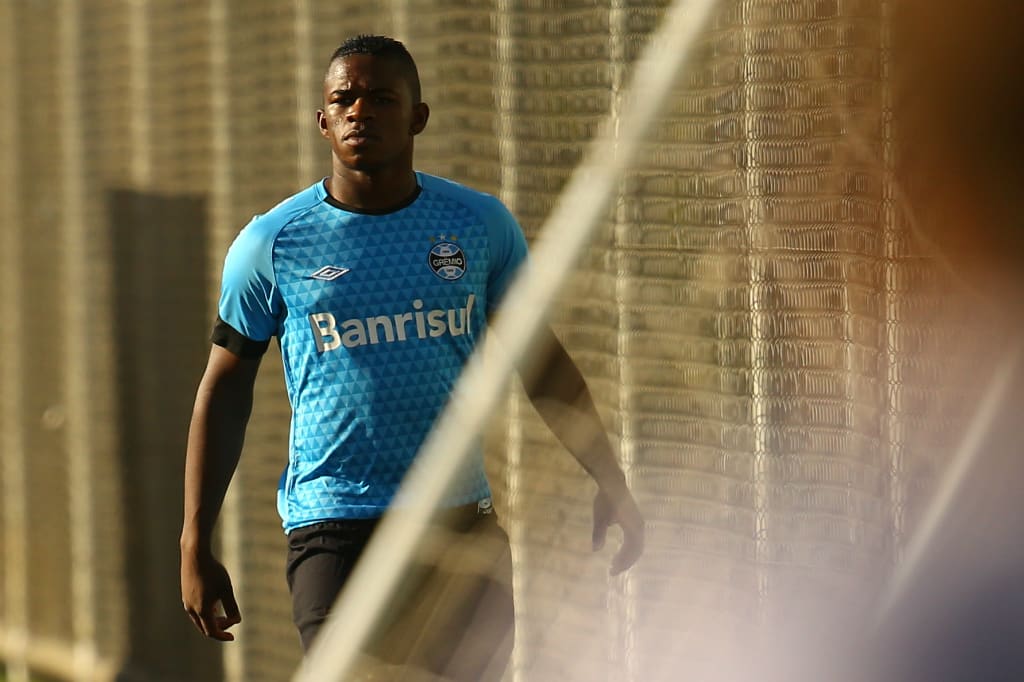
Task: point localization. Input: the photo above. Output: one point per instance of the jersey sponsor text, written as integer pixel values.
(352, 333)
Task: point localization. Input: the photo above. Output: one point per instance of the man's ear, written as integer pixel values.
(420, 114)
(321, 122)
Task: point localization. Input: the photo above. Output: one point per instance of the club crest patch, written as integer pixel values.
(447, 260)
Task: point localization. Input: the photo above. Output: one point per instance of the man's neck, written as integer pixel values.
(372, 191)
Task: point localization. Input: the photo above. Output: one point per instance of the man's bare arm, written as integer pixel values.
(216, 434)
(559, 393)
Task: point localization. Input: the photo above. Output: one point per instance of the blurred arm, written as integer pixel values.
(559, 393)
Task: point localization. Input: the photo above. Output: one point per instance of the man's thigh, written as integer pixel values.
(320, 559)
(452, 614)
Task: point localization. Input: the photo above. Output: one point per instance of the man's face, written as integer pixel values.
(369, 115)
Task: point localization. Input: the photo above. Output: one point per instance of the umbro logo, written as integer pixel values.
(329, 273)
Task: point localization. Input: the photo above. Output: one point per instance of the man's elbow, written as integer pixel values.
(558, 380)
(226, 396)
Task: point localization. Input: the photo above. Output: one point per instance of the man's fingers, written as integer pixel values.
(214, 624)
(221, 632)
(224, 622)
(628, 517)
(231, 607)
(196, 620)
(600, 533)
(632, 548)
(602, 520)
(208, 598)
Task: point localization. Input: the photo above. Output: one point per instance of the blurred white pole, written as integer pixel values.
(581, 208)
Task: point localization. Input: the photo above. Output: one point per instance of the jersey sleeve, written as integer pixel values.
(508, 253)
(250, 301)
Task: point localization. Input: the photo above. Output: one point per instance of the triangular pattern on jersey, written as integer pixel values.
(370, 358)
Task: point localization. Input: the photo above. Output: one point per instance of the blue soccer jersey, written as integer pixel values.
(375, 315)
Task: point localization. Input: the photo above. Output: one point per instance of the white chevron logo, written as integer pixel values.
(329, 273)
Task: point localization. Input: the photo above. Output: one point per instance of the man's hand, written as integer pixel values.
(205, 584)
(624, 512)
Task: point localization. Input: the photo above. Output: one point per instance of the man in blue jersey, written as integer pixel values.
(377, 282)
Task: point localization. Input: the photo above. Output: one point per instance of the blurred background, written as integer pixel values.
(800, 298)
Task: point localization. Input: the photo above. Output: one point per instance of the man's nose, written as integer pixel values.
(360, 110)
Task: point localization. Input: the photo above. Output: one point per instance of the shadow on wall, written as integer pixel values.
(160, 304)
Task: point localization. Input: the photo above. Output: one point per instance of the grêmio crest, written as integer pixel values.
(446, 258)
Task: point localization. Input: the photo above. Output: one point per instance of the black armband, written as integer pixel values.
(229, 338)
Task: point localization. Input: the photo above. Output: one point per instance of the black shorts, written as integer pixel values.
(453, 612)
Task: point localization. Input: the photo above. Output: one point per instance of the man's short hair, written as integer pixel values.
(381, 46)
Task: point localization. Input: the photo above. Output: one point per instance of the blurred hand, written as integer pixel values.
(621, 510)
(205, 585)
